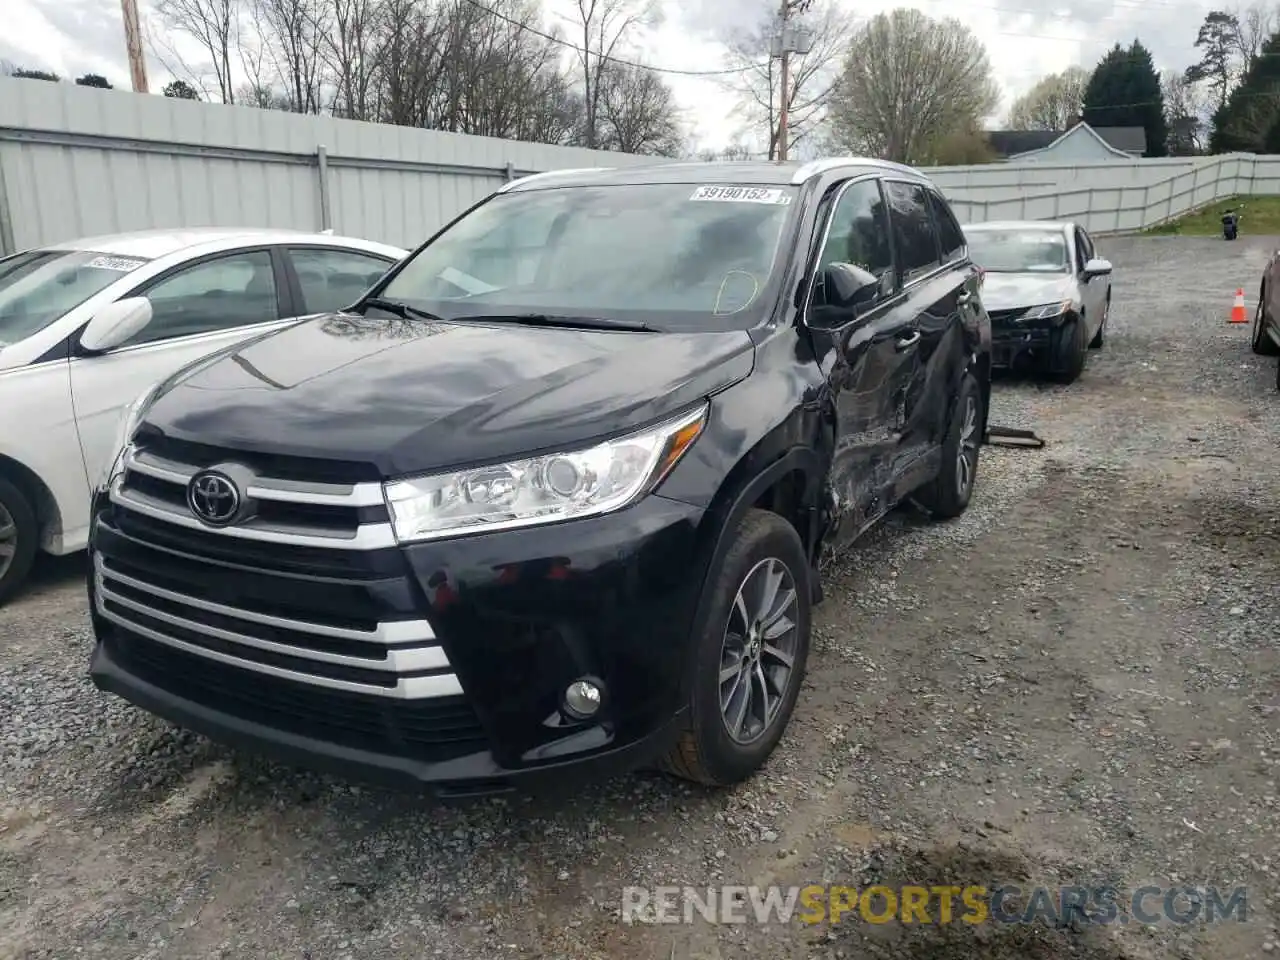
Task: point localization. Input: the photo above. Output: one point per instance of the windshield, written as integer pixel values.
(1018, 251)
(39, 286)
(666, 255)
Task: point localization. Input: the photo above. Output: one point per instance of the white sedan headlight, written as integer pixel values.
(1047, 310)
(558, 486)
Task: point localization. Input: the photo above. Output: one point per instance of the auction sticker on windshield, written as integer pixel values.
(742, 195)
(121, 264)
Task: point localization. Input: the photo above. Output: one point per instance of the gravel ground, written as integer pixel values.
(1076, 682)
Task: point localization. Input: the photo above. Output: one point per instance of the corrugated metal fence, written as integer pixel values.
(77, 161)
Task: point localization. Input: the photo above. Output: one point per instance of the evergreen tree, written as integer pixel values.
(1271, 142)
(1124, 91)
(1253, 107)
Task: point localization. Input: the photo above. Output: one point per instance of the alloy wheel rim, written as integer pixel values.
(967, 454)
(757, 655)
(8, 540)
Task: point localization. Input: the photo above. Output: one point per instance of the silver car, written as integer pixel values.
(1047, 291)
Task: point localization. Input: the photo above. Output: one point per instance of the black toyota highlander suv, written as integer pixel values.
(556, 490)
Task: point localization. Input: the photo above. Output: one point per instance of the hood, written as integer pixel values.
(413, 397)
(1008, 291)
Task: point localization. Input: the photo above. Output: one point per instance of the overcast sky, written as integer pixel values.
(1025, 39)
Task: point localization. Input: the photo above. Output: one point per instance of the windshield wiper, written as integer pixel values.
(403, 310)
(565, 322)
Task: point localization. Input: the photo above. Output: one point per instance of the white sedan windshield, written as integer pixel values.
(1018, 251)
(39, 286)
(682, 253)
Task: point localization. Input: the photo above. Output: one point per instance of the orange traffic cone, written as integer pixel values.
(1237, 309)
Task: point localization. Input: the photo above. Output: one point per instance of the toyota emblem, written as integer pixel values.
(213, 498)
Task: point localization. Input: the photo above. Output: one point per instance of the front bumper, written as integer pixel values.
(1013, 341)
(520, 615)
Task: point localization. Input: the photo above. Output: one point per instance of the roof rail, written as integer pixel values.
(815, 167)
(548, 173)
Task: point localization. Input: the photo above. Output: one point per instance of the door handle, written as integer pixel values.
(907, 342)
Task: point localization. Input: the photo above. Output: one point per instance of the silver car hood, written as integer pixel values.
(1008, 291)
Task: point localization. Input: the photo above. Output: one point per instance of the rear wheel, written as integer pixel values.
(1069, 351)
(1261, 342)
(18, 535)
(750, 654)
(949, 493)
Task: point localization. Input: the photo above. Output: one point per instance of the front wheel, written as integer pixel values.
(1069, 351)
(749, 656)
(18, 534)
(949, 493)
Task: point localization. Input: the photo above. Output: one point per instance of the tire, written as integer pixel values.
(19, 534)
(949, 493)
(1069, 352)
(1261, 343)
(1278, 375)
(1099, 337)
(705, 751)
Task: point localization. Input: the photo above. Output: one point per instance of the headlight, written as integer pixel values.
(1047, 310)
(124, 433)
(559, 486)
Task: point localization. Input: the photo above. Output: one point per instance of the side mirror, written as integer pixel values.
(115, 323)
(847, 287)
(1097, 267)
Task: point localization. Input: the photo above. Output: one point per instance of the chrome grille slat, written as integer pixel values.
(264, 488)
(369, 536)
(394, 632)
(397, 661)
(407, 688)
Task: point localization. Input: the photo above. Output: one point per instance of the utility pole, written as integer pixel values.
(133, 43)
(788, 40)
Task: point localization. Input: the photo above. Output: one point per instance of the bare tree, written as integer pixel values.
(638, 112)
(604, 26)
(1253, 26)
(907, 81)
(353, 56)
(1185, 106)
(293, 32)
(758, 84)
(215, 25)
(1053, 103)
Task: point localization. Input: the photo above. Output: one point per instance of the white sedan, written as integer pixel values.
(87, 326)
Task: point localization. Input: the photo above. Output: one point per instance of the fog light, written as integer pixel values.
(582, 698)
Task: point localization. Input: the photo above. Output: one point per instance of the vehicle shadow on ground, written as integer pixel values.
(54, 573)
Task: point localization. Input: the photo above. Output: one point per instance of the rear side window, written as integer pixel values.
(334, 278)
(950, 236)
(914, 235)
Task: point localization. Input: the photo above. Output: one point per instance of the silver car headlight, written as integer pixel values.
(1047, 310)
(124, 433)
(559, 486)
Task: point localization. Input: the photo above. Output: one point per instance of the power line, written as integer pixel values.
(560, 41)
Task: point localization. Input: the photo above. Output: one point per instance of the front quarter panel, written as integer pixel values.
(753, 423)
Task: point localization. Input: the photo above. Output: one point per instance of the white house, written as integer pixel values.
(1080, 144)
